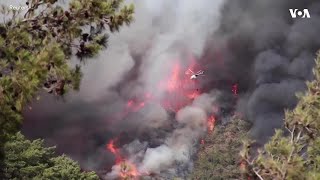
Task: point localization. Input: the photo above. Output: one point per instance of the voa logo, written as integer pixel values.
(303, 14)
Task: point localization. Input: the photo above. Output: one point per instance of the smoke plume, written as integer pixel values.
(138, 113)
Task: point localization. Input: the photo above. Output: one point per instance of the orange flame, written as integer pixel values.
(193, 95)
(179, 91)
(173, 82)
(179, 88)
(111, 147)
(115, 151)
(134, 106)
(211, 123)
(128, 170)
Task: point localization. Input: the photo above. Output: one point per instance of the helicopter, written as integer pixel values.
(195, 75)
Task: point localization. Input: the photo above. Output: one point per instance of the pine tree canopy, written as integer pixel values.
(30, 160)
(35, 49)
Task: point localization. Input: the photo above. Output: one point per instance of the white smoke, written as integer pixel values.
(179, 146)
(160, 31)
(164, 29)
(174, 157)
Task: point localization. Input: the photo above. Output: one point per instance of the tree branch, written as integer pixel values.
(33, 8)
(257, 173)
(291, 132)
(298, 136)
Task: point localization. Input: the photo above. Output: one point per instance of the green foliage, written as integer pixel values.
(65, 168)
(30, 160)
(296, 155)
(218, 158)
(35, 48)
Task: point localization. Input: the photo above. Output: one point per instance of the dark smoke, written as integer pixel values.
(255, 44)
(271, 56)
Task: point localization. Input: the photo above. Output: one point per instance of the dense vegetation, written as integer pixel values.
(219, 156)
(30, 160)
(34, 51)
(294, 153)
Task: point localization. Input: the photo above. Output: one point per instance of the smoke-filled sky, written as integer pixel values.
(163, 33)
(255, 44)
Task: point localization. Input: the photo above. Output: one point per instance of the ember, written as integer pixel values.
(211, 122)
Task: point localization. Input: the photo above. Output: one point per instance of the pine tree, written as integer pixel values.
(35, 48)
(294, 153)
(27, 159)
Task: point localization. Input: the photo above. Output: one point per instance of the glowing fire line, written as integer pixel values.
(178, 95)
(211, 123)
(127, 169)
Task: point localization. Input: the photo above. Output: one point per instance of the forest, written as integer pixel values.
(252, 115)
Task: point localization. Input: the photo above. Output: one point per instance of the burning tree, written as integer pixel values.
(296, 155)
(128, 171)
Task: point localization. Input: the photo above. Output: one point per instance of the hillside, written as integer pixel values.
(218, 157)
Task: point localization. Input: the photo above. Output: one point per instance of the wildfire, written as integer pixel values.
(179, 91)
(115, 151)
(193, 95)
(134, 105)
(111, 147)
(178, 88)
(211, 123)
(128, 170)
(174, 82)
